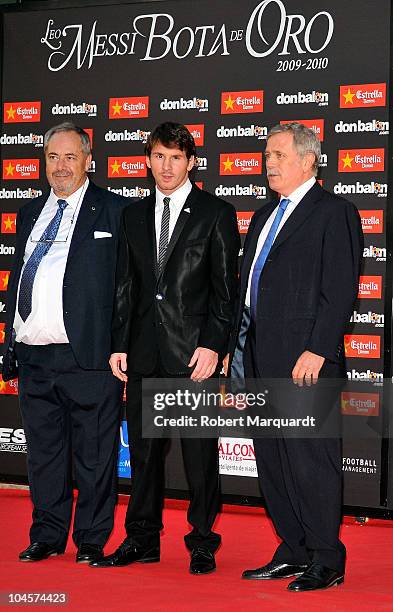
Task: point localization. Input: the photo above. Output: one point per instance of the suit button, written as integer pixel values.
(159, 296)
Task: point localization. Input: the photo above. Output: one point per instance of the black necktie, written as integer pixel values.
(164, 233)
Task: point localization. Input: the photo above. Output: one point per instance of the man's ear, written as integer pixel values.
(88, 162)
(308, 161)
(191, 163)
(148, 164)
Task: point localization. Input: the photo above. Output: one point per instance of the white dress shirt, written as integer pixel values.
(295, 197)
(177, 199)
(45, 323)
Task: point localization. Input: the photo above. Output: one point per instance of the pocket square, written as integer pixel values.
(186, 210)
(102, 235)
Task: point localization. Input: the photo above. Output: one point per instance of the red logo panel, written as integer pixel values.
(8, 223)
(232, 164)
(355, 96)
(21, 169)
(372, 221)
(4, 277)
(128, 108)
(22, 112)
(370, 287)
(361, 160)
(362, 346)
(317, 125)
(197, 130)
(127, 167)
(234, 102)
(360, 404)
(244, 220)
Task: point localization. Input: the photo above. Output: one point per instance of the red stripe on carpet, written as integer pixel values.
(248, 541)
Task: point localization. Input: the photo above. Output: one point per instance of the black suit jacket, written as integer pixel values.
(191, 302)
(309, 283)
(89, 277)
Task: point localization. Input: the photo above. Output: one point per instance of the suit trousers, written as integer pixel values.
(301, 481)
(200, 456)
(70, 416)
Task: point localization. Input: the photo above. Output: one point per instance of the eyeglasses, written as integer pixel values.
(55, 240)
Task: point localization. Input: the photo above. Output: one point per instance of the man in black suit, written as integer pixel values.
(299, 281)
(175, 291)
(59, 311)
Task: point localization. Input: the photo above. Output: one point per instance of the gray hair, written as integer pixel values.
(68, 126)
(304, 139)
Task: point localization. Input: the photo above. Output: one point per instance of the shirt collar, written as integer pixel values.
(299, 193)
(178, 197)
(74, 199)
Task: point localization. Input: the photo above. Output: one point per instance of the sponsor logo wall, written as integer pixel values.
(228, 76)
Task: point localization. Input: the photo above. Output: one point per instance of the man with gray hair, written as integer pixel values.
(298, 285)
(59, 312)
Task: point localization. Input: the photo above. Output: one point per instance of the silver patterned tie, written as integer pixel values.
(164, 233)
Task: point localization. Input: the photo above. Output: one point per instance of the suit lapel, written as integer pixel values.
(151, 230)
(251, 247)
(299, 215)
(30, 217)
(180, 223)
(90, 210)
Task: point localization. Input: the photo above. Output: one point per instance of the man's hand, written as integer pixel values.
(225, 364)
(206, 363)
(118, 363)
(307, 367)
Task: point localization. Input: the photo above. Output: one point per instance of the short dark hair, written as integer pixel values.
(171, 135)
(68, 126)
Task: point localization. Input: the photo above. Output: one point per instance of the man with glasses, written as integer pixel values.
(59, 313)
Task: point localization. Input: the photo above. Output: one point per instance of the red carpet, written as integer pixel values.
(248, 541)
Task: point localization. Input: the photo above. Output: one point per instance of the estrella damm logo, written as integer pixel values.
(236, 102)
(8, 223)
(317, 125)
(133, 166)
(359, 404)
(129, 108)
(362, 346)
(369, 94)
(244, 220)
(197, 131)
(372, 221)
(22, 112)
(361, 160)
(232, 164)
(370, 287)
(21, 169)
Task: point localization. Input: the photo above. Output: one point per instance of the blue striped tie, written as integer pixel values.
(264, 252)
(31, 267)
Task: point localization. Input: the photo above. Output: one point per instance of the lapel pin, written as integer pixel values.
(93, 208)
(186, 210)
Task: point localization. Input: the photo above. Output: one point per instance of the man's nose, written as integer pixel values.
(60, 163)
(166, 163)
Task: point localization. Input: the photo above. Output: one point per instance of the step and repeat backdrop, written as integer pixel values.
(229, 71)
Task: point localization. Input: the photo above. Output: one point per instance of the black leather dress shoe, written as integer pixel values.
(38, 551)
(89, 552)
(128, 553)
(316, 577)
(202, 561)
(273, 571)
